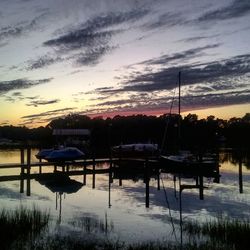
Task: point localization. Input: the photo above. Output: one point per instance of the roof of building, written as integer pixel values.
(71, 132)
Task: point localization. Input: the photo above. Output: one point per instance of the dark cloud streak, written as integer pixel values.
(43, 62)
(93, 38)
(236, 9)
(179, 57)
(6, 86)
(9, 32)
(37, 103)
(165, 20)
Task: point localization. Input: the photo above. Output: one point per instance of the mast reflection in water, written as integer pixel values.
(134, 205)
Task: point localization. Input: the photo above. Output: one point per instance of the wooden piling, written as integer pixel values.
(40, 167)
(240, 175)
(84, 172)
(201, 188)
(93, 178)
(110, 181)
(158, 181)
(120, 182)
(28, 171)
(147, 182)
(22, 171)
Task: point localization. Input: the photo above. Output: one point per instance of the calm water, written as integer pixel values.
(120, 212)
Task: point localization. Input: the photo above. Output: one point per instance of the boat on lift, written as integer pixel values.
(60, 154)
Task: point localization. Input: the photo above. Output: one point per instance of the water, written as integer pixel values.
(120, 212)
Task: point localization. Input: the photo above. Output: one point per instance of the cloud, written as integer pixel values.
(43, 62)
(91, 40)
(216, 83)
(166, 78)
(198, 38)
(5, 122)
(6, 86)
(92, 56)
(155, 104)
(215, 99)
(235, 10)
(37, 103)
(165, 20)
(20, 29)
(179, 57)
(17, 94)
(91, 32)
(48, 113)
(45, 117)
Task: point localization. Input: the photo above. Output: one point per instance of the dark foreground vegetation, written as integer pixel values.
(230, 233)
(26, 229)
(195, 133)
(21, 225)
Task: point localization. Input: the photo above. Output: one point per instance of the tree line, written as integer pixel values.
(168, 131)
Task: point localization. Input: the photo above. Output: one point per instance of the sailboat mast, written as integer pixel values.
(179, 118)
(179, 93)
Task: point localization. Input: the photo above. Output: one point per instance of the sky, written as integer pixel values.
(116, 57)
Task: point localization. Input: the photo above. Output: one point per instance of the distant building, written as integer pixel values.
(72, 137)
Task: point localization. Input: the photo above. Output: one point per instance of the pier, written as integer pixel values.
(117, 168)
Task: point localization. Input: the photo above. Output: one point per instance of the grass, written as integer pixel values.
(93, 225)
(19, 230)
(58, 242)
(21, 224)
(232, 233)
(72, 243)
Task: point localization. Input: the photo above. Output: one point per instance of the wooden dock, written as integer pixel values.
(89, 166)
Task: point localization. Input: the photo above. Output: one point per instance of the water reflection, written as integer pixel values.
(90, 223)
(135, 202)
(60, 183)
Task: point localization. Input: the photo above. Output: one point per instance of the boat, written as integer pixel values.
(135, 150)
(61, 154)
(185, 161)
(43, 153)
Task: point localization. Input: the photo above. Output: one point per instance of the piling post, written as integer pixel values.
(158, 180)
(180, 208)
(93, 178)
(40, 166)
(84, 172)
(240, 174)
(110, 171)
(110, 181)
(22, 171)
(201, 188)
(175, 193)
(147, 182)
(120, 181)
(28, 170)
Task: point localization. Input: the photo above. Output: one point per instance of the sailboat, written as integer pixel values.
(185, 161)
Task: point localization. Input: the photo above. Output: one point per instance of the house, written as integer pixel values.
(72, 137)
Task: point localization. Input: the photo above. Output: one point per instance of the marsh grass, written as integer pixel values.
(72, 243)
(58, 242)
(19, 230)
(233, 233)
(20, 225)
(92, 225)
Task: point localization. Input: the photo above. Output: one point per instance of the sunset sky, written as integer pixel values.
(108, 57)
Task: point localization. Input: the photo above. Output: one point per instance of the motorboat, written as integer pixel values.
(61, 154)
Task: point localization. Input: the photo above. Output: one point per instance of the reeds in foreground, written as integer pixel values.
(231, 232)
(19, 225)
